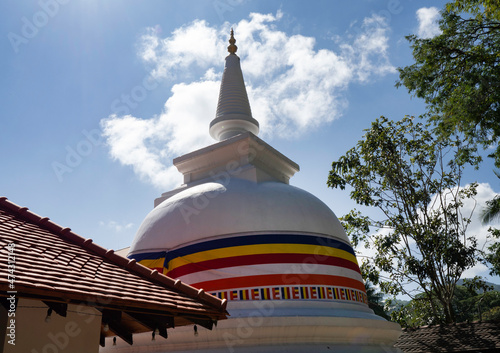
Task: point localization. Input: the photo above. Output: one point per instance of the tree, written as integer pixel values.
(470, 305)
(457, 73)
(488, 214)
(417, 312)
(375, 300)
(481, 8)
(413, 178)
(492, 257)
(492, 209)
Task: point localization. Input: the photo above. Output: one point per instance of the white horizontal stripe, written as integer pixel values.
(289, 271)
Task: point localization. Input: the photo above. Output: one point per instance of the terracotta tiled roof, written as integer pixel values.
(465, 337)
(57, 266)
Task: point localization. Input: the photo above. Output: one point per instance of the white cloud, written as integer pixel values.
(195, 44)
(293, 86)
(149, 145)
(428, 25)
(115, 226)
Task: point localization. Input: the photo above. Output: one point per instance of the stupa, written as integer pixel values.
(236, 229)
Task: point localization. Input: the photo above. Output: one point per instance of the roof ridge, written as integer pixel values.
(109, 254)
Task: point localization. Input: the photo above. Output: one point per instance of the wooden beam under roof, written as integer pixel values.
(154, 322)
(202, 321)
(113, 319)
(121, 331)
(60, 308)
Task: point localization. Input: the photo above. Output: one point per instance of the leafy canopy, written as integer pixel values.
(412, 177)
(457, 73)
(480, 8)
(492, 257)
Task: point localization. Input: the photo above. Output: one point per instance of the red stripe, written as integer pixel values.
(258, 259)
(277, 280)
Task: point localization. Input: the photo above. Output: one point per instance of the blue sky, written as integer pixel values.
(97, 97)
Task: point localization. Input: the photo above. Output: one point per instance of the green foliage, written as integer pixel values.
(490, 213)
(457, 73)
(375, 300)
(492, 210)
(480, 8)
(412, 177)
(493, 314)
(418, 312)
(493, 255)
(469, 306)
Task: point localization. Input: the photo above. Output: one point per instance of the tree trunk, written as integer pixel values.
(449, 312)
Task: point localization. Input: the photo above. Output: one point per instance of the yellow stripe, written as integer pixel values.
(314, 250)
(153, 263)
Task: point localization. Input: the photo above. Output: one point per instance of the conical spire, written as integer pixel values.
(233, 115)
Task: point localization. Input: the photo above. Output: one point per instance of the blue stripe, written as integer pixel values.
(148, 255)
(246, 240)
(259, 239)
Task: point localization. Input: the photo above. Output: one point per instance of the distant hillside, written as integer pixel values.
(495, 286)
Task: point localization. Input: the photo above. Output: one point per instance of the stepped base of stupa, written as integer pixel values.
(265, 326)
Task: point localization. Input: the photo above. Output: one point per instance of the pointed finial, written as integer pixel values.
(232, 48)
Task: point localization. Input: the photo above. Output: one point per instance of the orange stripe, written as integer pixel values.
(275, 280)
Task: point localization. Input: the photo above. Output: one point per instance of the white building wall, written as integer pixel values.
(78, 332)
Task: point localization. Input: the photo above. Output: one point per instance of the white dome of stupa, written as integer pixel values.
(247, 236)
(214, 210)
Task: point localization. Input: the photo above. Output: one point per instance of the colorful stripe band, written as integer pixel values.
(295, 293)
(251, 250)
(259, 239)
(257, 259)
(265, 252)
(246, 240)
